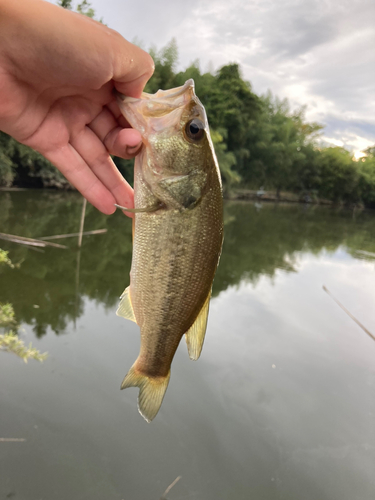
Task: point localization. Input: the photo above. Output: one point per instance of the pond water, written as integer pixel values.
(281, 404)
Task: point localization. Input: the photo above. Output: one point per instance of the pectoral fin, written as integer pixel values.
(125, 309)
(195, 335)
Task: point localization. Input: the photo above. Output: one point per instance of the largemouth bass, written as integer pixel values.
(177, 238)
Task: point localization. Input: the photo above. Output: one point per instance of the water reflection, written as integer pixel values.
(257, 243)
(280, 405)
(57, 280)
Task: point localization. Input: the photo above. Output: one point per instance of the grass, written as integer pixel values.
(10, 341)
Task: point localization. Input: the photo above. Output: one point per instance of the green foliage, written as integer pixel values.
(366, 182)
(262, 141)
(232, 106)
(259, 140)
(226, 160)
(7, 167)
(165, 61)
(10, 342)
(4, 259)
(7, 315)
(126, 168)
(339, 177)
(22, 166)
(85, 8)
(369, 152)
(279, 141)
(65, 4)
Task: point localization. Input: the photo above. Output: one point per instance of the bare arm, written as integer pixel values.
(57, 74)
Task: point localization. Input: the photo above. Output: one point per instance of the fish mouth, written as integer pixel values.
(160, 95)
(177, 92)
(162, 110)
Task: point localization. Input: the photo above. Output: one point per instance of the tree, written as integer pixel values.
(339, 176)
(258, 140)
(231, 105)
(83, 8)
(165, 61)
(370, 152)
(7, 171)
(65, 4)
(226, 160)
(366, 183)
(278, 142)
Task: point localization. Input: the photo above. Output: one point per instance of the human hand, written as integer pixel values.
(58, 70)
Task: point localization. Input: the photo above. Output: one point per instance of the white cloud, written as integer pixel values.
(317, 53)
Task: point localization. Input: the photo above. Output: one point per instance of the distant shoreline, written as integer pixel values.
(252, 195)
(233, 195)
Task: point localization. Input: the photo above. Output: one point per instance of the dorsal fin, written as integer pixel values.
(125, 309)
(195, 335)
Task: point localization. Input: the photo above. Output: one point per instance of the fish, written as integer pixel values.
(177, 235)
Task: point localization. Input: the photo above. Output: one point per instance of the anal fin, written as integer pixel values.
(195, 335)
(125, 308)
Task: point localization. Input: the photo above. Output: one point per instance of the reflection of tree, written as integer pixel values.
(48, 279)
(256, 243)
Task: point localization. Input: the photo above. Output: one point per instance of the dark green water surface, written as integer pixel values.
(281, 404)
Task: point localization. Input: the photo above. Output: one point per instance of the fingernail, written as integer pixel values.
(131, 151)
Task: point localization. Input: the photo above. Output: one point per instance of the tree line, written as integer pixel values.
(259, 140)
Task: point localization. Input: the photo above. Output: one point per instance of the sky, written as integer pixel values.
(317, 53)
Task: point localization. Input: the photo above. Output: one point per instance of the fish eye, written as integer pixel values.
(194, 130)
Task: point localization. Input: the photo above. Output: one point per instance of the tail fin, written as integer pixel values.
(151, 391)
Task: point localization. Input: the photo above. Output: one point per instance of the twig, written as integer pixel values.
(349, 314)
(12, 440)
(36, 249)
(164, 495)
(77, 285)
(29, 241)
(364, 252)
(82, 222)
(71, 235)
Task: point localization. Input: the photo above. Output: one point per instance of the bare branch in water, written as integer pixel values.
(82, 222)
(71, 235)
(349, 313)
(367, 254)
(29, 241)
(12, 440)
(164, 495)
